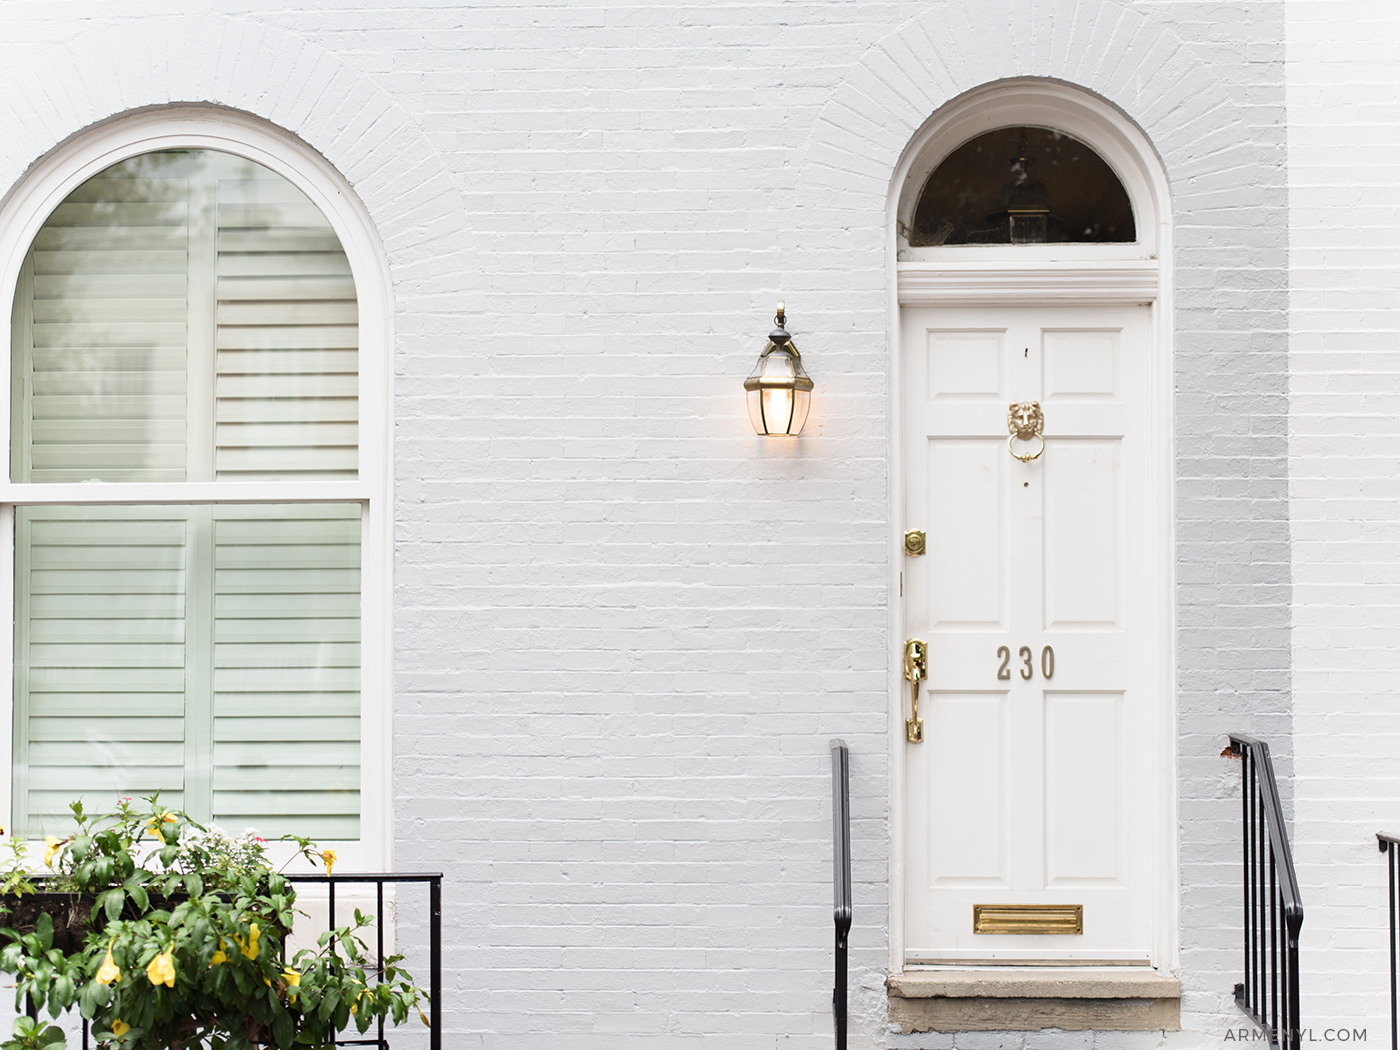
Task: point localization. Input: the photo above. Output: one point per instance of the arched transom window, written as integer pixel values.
(1022, 185)
(186, 320)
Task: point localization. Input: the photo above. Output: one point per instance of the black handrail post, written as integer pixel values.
(1273, 910)
(1295, 926)
(1390, 848)
(1273, 940)
(841, 879)
(435, 960)
(1246, 814)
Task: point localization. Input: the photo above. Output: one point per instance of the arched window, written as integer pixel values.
(1022, 185)
(192, 498)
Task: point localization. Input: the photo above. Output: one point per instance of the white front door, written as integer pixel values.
(1028, 799)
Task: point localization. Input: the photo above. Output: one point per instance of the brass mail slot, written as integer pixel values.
(1028, 918)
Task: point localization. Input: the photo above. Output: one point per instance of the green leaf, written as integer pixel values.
(91, 998)
(43, 929)
(282, 1030)
(111, 902)
(61, 997)
(137, 892)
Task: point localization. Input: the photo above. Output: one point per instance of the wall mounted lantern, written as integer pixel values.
(779, 390)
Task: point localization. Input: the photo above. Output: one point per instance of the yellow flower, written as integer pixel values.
(293, 981)
(219, 956)
(120, 1028)
(328, 857)
(153, 825)
(109, 970)
(51, 848)
(249, 947)
(162, 968)
(355, 1006)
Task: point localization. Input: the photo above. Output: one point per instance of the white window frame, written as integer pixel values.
(22, 213)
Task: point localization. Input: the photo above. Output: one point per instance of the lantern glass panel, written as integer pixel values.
(801, 404)
(778, 393)
(754, 400)
(777, 410)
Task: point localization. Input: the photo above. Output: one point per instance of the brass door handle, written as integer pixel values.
(915, 671)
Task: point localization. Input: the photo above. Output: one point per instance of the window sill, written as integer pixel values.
(1105, 999)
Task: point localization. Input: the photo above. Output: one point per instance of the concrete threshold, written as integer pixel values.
(981, 999)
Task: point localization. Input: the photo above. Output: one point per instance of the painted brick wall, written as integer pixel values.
(1345, 390)
(626, 627)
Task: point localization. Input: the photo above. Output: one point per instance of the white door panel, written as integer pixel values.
(1023, 791)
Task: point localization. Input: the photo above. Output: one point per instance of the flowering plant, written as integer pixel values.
(186, 944)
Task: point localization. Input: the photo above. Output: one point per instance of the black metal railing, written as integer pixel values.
(1388, 844)
(1273, 912)
(841, 878)
(379, 880)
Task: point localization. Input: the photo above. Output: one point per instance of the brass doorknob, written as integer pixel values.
(915, 671)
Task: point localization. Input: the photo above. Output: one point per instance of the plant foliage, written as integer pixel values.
(186, 946)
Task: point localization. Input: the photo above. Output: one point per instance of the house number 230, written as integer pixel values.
(1027, 668)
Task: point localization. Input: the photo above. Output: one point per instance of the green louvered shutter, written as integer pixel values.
(100, 331)
(286, 675)
(287, 379)
(102, 657)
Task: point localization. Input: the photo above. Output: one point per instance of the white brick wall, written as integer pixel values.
(1343, 68)
(626, 627)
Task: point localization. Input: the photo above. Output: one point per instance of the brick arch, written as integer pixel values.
(251, 67)
(1108, 48)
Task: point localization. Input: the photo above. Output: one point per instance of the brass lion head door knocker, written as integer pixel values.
(1026, 421)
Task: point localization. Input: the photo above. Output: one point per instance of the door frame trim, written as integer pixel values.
(1081, 274)
(1112, 283)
